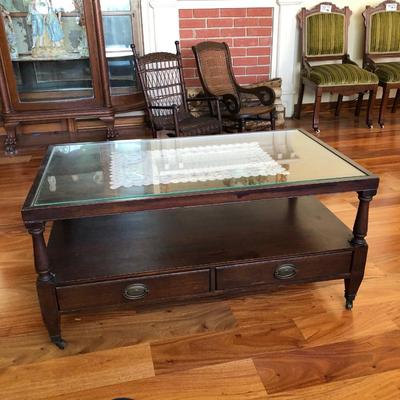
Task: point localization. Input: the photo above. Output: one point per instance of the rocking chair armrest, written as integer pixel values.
(348, 60)
(173, 107)
(265, 94)
(205, 98)
(215, 99)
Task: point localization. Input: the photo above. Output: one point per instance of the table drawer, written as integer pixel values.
(135, 290)
(283, 271)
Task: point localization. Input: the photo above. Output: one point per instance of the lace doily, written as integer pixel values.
(134, 167)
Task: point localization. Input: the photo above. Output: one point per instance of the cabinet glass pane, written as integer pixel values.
(115, 5)
(48, 47)
(119, 34)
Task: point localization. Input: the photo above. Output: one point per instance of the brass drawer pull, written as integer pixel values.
(136, 291)
(285, 271)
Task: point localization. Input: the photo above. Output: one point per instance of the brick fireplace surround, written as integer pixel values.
(247, 31)
(263, 44)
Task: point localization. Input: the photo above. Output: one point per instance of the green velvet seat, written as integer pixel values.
(326, 66)
(341, 74)
(382, 40)
(388, 72)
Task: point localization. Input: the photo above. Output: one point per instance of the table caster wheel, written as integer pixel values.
(317, 131)
(370, 126)
(382, 125)
(59, 342)
(349, 304)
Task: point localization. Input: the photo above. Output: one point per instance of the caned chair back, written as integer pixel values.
(382, 29)
(160, 75)
(324, 31)
(215, 68)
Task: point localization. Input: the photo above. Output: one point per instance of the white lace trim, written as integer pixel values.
(191, 164)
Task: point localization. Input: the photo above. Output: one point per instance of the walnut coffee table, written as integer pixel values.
(140, 222)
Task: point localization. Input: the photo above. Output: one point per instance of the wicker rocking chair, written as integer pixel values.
(217, 78)
(161, 79)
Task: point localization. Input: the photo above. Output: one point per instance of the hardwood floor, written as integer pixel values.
(296, 344)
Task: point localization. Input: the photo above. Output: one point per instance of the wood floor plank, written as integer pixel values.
(93, 332)
(384, 386)
(343, 325)
(191, 352)
(237, 380)
(88, 371)
(282, 371)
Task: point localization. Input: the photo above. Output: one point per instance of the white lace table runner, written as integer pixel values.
(192, 164)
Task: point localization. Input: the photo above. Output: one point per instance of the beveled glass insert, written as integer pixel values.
(82, 173)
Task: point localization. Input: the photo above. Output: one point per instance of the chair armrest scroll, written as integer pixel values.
(369, 64)
(348, 60)
(265, 94)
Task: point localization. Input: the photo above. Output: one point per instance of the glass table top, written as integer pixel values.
(89, 173)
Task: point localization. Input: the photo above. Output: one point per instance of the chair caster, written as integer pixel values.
(370, 125)
(317, 131)
(382, 125)
(59, 342)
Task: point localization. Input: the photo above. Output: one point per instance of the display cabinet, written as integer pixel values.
(66, 60)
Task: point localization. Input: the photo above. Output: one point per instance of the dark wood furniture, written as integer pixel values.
(214, 65)
(55, 87)
(324, 37)
(382, 40)
(163, 85)
(137, 245)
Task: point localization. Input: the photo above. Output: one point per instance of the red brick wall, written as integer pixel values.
(248, 32)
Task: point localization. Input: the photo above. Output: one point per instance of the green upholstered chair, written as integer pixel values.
(382, 43)
(326, 66)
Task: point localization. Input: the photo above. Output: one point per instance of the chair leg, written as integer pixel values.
(338, 105)
(317, 108)
(299, 100)
(385, 97)
(371, 102)
(241, 125)
(273, 120)
(359, 104)
(396, 101)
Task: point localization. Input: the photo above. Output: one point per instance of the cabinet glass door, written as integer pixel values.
(120, 30)
(48, 47)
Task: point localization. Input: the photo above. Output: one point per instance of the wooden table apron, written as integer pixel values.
(35, 219)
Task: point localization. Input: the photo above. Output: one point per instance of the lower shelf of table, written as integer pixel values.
(194, 252)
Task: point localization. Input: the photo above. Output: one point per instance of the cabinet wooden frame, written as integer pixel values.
(102, 105)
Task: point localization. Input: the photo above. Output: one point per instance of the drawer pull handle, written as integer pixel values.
(136, 291)
(285, 271)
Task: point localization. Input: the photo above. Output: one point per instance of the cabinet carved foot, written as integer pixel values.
(112, 134)
(59, 342)
(10, 145)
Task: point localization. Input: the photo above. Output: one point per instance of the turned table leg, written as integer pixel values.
(360, 248)
(45, 285)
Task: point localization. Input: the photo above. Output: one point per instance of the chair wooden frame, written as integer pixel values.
(175, 114)
(370, 59)
(233, 101)
(342, 90)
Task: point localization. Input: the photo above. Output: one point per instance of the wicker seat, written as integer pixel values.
(217, 78)
(324, 38)
(161, 78)
(382, 40)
